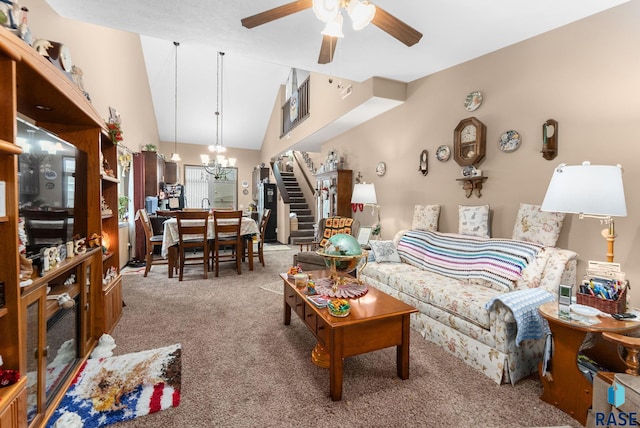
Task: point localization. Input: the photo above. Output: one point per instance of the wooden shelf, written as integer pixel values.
(471, 184)
(4, 219)
(52, 306)
(3, 312)
(10, 148)
(106, 216)
(106, 257)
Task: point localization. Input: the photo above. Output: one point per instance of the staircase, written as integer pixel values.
(299, 206)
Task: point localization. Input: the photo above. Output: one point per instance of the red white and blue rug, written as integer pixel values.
(115, 389)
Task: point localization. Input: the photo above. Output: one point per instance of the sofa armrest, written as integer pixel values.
(501, 313)
(560, 269)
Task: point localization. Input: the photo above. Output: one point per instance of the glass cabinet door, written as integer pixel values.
(35, 350)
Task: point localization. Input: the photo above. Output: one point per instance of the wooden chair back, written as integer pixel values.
(227, 233)
(46, 228)
(263, 223)
(192, 233)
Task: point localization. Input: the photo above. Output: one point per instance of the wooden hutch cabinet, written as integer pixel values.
(36, 91)
(333, 190)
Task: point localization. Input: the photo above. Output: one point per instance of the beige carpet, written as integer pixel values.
(241, 367)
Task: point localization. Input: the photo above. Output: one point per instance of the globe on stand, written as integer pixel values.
(343, 254)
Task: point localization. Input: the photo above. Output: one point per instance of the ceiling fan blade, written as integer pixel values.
(276, 13)
(395, 27)
(327, 49)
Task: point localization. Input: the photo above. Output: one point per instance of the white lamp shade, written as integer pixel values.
(204, 159)
(175, 157)
(232, 162)
(586, 189)
(326, 10)
(334, 27)
(364, 193)
(361, 13)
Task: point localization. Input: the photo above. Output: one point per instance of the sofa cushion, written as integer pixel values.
(384, 251)
(533, 225)
(473, 220)
(500, 261)
(425, 217)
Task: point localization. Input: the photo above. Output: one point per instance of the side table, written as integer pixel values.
(566, 387)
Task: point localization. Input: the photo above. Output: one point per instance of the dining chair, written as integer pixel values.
(262, 229)
(227, 234)
(192, 234)
(153, 241)
(45, 228)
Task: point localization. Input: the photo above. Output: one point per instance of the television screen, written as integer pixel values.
(46, 180)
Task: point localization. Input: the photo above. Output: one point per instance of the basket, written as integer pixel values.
(607, 306)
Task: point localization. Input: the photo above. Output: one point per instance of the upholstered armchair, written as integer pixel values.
(307, 258)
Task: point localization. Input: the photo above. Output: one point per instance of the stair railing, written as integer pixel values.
(280, 183)
(306, 170)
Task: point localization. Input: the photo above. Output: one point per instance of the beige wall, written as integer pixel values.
(584, 75)
(113, 65)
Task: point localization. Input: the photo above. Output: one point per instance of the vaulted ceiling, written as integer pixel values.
(258, 60)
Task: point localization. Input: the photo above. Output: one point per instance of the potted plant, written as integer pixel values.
(123, 207)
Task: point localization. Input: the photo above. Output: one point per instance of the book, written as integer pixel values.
(319, 301)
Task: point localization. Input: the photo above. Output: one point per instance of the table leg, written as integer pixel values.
(287, 308)
(567, 388)
(250, 251)
(171, 263)
(402, 350)
(335, 364)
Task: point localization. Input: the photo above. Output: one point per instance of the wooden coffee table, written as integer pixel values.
(376, 321)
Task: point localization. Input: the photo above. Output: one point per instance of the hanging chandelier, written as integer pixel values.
(218, 166)
(175, 157)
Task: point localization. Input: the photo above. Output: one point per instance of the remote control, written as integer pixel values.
(623, 316)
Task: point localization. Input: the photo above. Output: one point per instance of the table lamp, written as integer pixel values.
(365, 194)
(594, 191)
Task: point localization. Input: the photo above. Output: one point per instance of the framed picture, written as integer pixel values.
(363, 235)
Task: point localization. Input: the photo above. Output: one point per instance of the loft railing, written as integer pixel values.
(288, 122)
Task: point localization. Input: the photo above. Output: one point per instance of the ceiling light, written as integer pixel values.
(175, 157)
(219, 166)
(326, 10)
(361, 13)
(334, 27)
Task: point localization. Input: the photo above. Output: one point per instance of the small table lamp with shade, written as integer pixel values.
(365, 194)
(594, 191)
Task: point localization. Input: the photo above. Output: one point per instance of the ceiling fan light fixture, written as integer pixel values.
(334, 28)
(361, 13)
(326, 10)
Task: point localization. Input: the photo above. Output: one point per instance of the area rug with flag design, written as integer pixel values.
(114, 389)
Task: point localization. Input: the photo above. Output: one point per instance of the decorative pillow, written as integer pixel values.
(425, 217)
(385, 251)
(537, 226)
(473, 220)
(335, 225)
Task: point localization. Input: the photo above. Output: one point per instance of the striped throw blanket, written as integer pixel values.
(524, 305)
(500, 261)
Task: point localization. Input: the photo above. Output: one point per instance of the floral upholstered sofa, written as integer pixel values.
(454, 280)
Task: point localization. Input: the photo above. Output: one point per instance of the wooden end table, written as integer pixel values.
(566, 387)
(376, 321)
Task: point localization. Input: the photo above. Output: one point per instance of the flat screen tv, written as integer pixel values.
(46, 181)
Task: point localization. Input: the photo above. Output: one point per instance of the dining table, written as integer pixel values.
(170, 238)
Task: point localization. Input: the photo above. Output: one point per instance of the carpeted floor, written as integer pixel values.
(241, 367)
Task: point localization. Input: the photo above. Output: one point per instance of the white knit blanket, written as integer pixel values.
(524, 305)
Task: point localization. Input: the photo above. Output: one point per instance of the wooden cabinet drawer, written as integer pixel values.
(299, 307)
(310, 318)
(321, 330)
(290, 297)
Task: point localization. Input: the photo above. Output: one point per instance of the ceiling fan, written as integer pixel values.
(361, 12)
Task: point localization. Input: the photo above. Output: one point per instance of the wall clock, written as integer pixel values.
(381, 169)
(469, 141)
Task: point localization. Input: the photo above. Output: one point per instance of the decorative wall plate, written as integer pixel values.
(50, 175)
(473, 101)
(443, 153)
(509, 141)
(468, 171)
(245, 184)
(381, 168)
